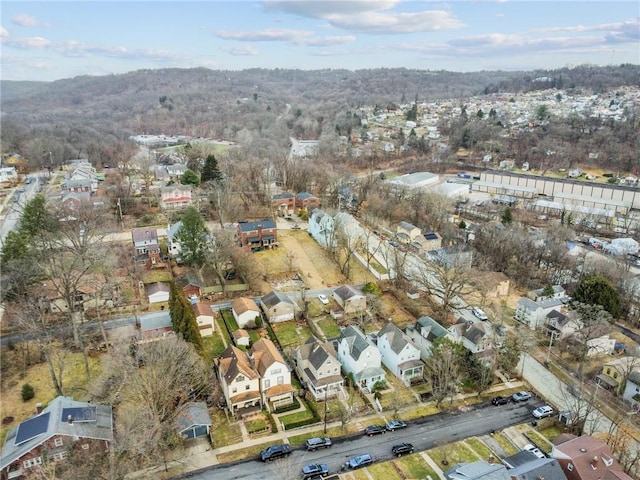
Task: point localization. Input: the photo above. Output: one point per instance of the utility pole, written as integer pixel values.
(325, 409)
(546, 362)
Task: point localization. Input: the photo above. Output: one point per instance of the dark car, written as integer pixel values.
(394, 425)
(500, 400)
(360, 461)
(374, 430)
(318, 442)
(402, 449)
(274, 452)
(315, 470)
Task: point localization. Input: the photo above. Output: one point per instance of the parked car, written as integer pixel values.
(402, 449)
(478, 312)
(499, 400)
(536, 451)
(295, 226)
(315, 470)
(318, 442)
(394, 425)
(274, 452)
(323, 298)
(543, 412)
(520, 396)
(374, 430)
(394, 244)
(360, 461)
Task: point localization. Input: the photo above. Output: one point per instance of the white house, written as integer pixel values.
(351, 299)
(245, 311)
(321, 228)
(533, 314)
(632, 389)
(558, 293)
(399, 354)
(360, 358)
(158, 292)
(173, 245)
(318, 367)
(239, 380)
(275, 376)
(241, 338)
(175, 197)
(472, 335)
(8, 174)
(562, 326)
(278, 307)
(204, 317)
(424, 332)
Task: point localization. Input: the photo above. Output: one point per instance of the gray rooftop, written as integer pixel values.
(193, 414)
(356, 341)
(274, 298)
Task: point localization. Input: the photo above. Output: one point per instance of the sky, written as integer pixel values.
(51, 40)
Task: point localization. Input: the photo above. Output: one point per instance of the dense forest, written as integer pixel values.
(79, 117)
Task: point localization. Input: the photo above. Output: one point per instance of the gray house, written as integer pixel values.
(193, 421)
(278, 307)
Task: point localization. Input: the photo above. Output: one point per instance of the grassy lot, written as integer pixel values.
(419, 411)
(540, 441)
(399, 396)
(152, 276)
(480, 448)
(213, 345)
(223, 432)
(329, 327)
(241, 454)
(295, 417)
(220, 328)
(384, 470)
(551, 432)
(291, 334)
(505, 443)
(257, 425)
(414, 466)
(254, 335)
(453, 453)
(74, 383)
(229, 320)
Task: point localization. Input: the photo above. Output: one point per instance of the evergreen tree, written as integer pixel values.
(210, 170)
(193, 236)
(191, 332)
(598, 290)
(507, 216)
(189, 177)
(176, 308)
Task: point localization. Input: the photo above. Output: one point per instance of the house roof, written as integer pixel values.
(396, 338)
(189, 279)
(368, 372)
(316, 352)
(274, 298)
(145, 234)
(265, 354)
(477, 470)
(546, 468)
(345, 292)
(431, 236)
(559, 317)
(155, 322)
(240, 333)
(406, 226)
(193, 414)
(233, 362)
(282, 196)
(434, 329)
(242, 304)
(305, 196)
(251, 226)
(356, 341)
(89, 421)
(472, 331)
(592, 459)
(157, 287)
(203, 309)
(173, 230)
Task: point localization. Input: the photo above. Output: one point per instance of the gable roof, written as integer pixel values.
(173, 230)
(158, 287)
(305, 196)
(282, 196)
(345, 292)
(356, 341)
(144, 234)
(591, 458)
(317, 352)
(274, 298)
(88, 421)
(202, 309)
(435, 330)
(251, 226)
(406, 226)
(192, 414)
(397, 340)
(478, 470)
(243, 304)
(533, 467)
(233, 362)
(265, 354)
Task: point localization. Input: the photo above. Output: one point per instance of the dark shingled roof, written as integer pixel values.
(274, 298)
(356, 340)
(347, 291)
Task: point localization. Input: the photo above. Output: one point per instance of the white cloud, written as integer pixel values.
(4, 33)
(243, 50)
(266, 35)
(26, 42)
(24, 20)
(325, 41)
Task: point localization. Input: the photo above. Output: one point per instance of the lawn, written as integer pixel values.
(333, 432)
(223, 432)
(153, 276)
(295, 417)
(257, 425)
(241, 454)
(551, 432)
(290, 333)
(540, 441)
(229, 320)
(329, 327)
(505, 443)
(399, 396)
(414, 466)
(452, 453)
(213, 345)
(384, 470)
(480, 448)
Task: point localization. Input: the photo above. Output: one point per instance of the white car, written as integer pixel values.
(323, 298)
(478, 312)
(536, 451)
(543, 412)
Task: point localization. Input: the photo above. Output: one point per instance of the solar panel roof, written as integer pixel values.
(32, 428)
(79, 414)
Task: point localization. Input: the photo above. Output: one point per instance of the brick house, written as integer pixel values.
(307, 201)
(65, 425)
(258, 235)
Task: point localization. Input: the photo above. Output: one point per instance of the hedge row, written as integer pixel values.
(272, 422)
(315, 418)
(288, 408)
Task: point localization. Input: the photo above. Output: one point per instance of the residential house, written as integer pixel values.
(303, 148)
(258, 235)
(585, 458)
(191, 285)
(239, 380)
(245, 311)
(73, 201)
(614, 374)
(173, 245)
(8, 174)
(471, 334)
(83, 172)
(155, 328)
(204, 317)
(284, 203)
(275, 375)
(399, 354)
(480, 470)
(560, 326)
(175, 197)
(632, 389)
(145, 240)
(456, 256)
(176, 170)
(241, 338)
(432, 241)
(278, 307)
(351, 299)
(534, 314)
(317, 365)
(307, 201)
(407, 233)
(193, 421)
(558, 293)
(64, 427)
(158, 292)
(360, 358)
(525, 465)
(424, 332)
(492, 284)
(321, 228)
(77, 186)
(603, 344)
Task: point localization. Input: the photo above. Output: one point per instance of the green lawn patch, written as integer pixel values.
(223, 432)
(540, 441)
(384, 470)
(551, 432)
(329, 327)
(505, 444)
(254, 335)
(452, 453)
(230, 320)
(213, 345)
(256, 426)
(294, 418)
(290, 333)
(223, 331)
(153, 276)
(414, 466)
(480, 448)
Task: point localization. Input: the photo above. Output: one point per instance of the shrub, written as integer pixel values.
(287, 408)
(272, 422)
(27, 392)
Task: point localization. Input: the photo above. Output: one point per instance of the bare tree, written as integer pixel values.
(442, 370)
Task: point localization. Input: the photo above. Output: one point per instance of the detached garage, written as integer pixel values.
(158, 292)
(194, 421)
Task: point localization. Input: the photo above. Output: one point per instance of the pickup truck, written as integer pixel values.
(274, 452)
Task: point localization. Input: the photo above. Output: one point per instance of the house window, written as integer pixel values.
(58, 442)
(615, 374)
(57, 457)
(570, 467)
(335, 370)
(267, 383)
(240, 378)
(329, 372)
(280, 380)
(234, 390)
(247, 387)
(32, 462)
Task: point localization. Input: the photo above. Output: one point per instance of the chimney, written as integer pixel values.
(70, 419)
(38, 408)
(594, 462)
(491, 460)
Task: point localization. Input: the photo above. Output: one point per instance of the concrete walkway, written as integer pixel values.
(433, 465)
